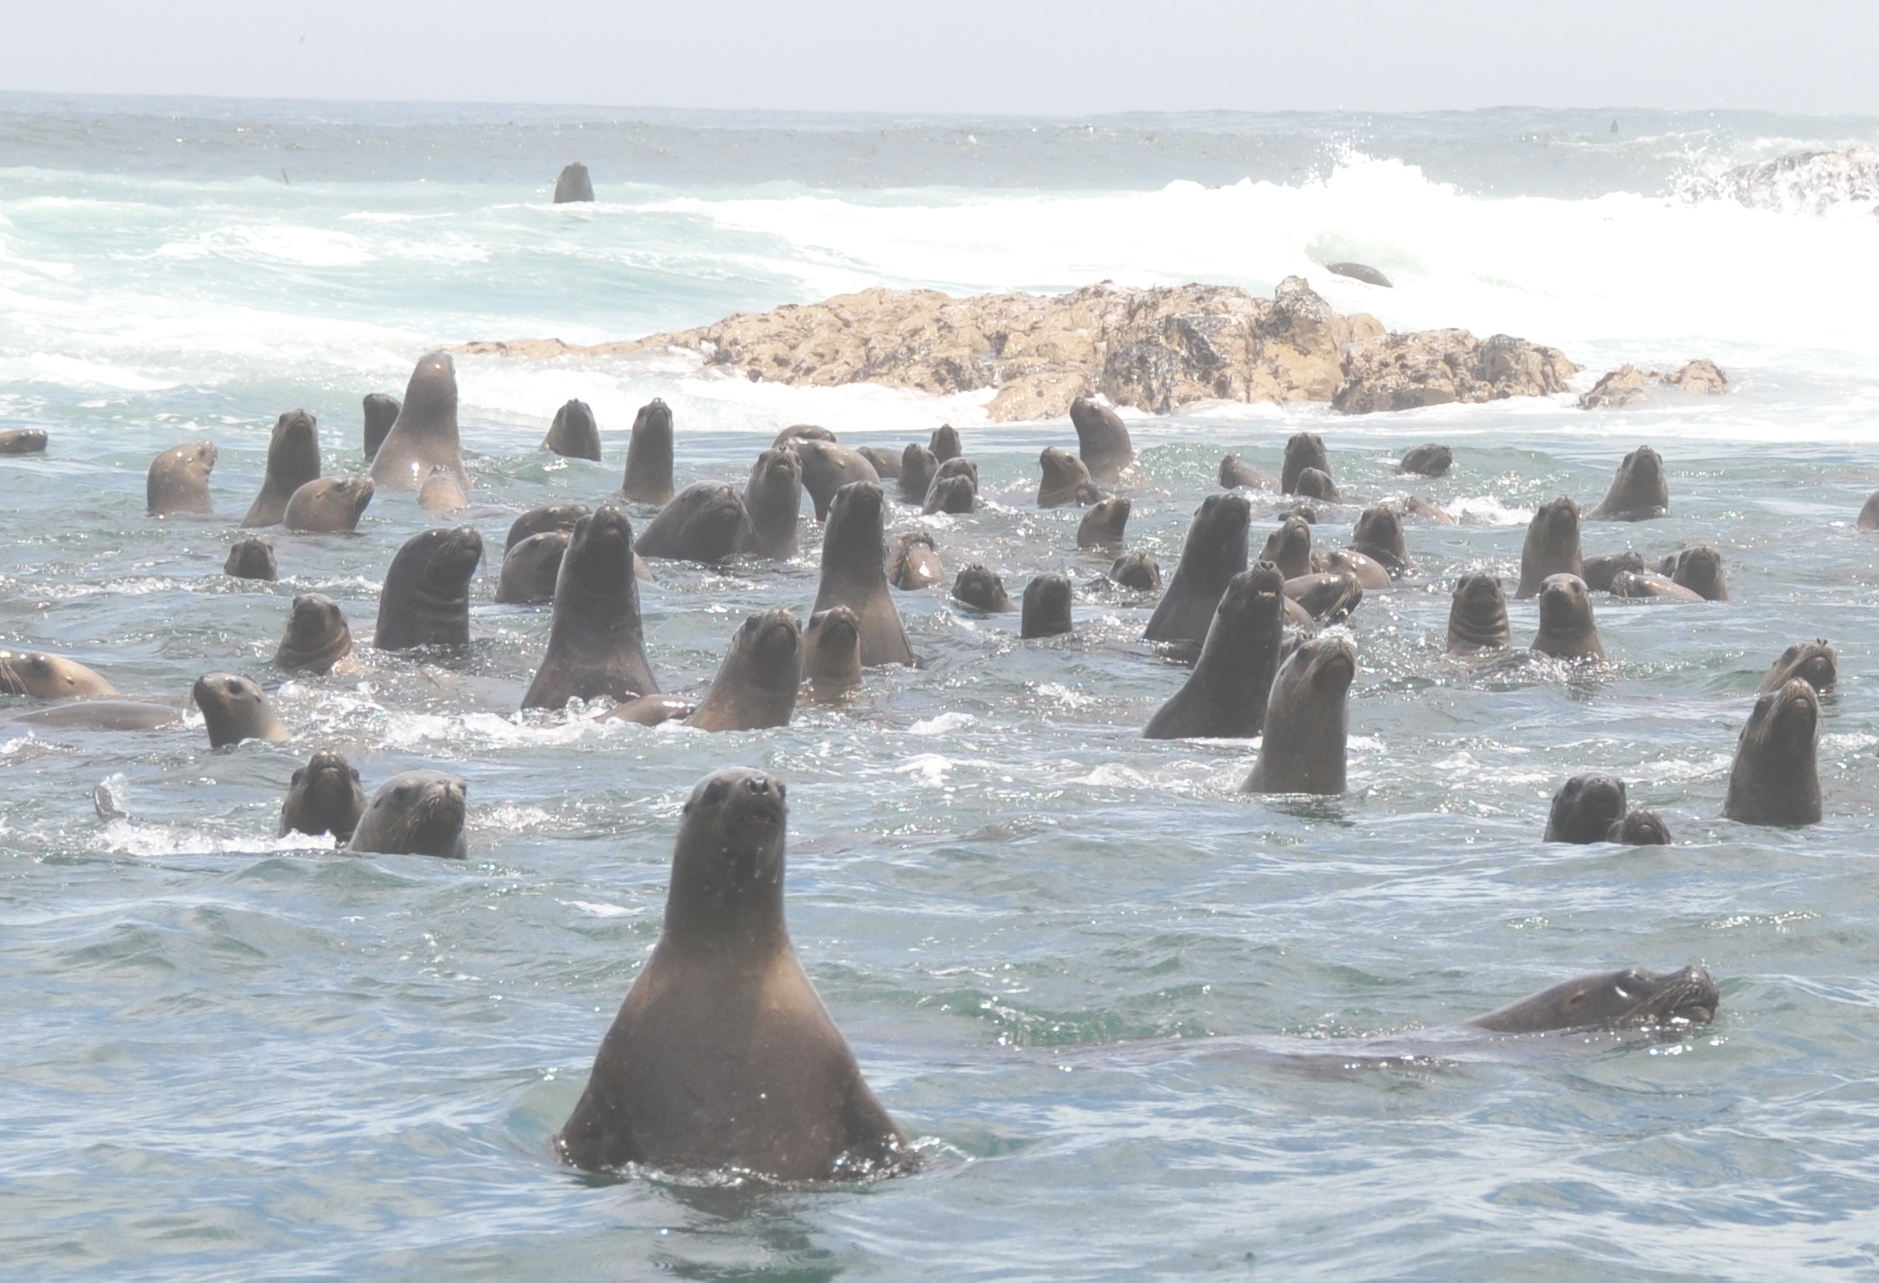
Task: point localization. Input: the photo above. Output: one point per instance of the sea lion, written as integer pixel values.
(596, 644)
(414, 813)
(1307, 721)
(648, 477)
(1329, 596)
(381, 411)
(38, 675)
(1869, 513)
(1136, 570)
(573, 184)
(1651, 587)
(1302, 450)
(801, 432)
(559, 516)
(956, 494)
(723, 1057)
(293, 459)
(1477, 615)
(1103, 524)
(328, 506)
(1640, 828)
(426, 597)
(917, 466)
(425, 433)
(650, 710)
(316, 637)
(945, 443)
(251, 558)
(530, 568)
(1046, 610)
(757, 683)
(1552, 545)
(1813, 662)
(1629, 999)
(1064, 476)
(826, 468)
(916, 563)
(1378, 534)
(1417, 506)
(979, 588)
(574, 434)
(1566, 627)
(1586, 809)
(1102, 440)
(854, 573)
(22, 441)
(1359, 272)
(1313, 483)
(886, 463)
(1428, 460)
(1214, 552)
(1699, 569)
(1236, 475)
(1369, 573)
(323, 797)
(832, 652)
(705, 522)
(179, 479)
(1289, 548)
(1639, 491)
(773, 502)
(101, 715)
(234, 709)
(440, 492)
(1601, 570)
(1225, 696)
(1774, 779)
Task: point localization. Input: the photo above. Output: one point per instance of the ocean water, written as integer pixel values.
(1120, 1005)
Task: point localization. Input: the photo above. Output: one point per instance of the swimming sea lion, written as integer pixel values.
(293, 459)
(1102, 440)
(854, 573)
(1046, 610)
(1699, 569)
(1586, 809)
(415, 813)
(573, 184)
(559, 516)
(101, 715)
(328, 506)
(1869, 513)
(1417, 506)
(234, 709)
(722, 1057)
(648, 476)
(1359, 272)
(22, 441)
(1289, 548)
(945, 443)
(917, 466)
(1135, 570)
(1640, 828)
(426, 597)
(1552, 546)
(957, 493)
(381, 411)
(440, 492)
(886, 463)
(1632, 998)
(1601, 570)
(1639, 491)
(832, 652)
(757, 683)
(1330, 596)
(596, 644)
(1774, 779)
(1103, 524)
(1378, 534)
(705, 522)
(1064, 475)
(1235, 475)
(1813, 662)
(1314, 483)
(1225, 696)
(425, 433)
(317, 636)
(1653, 587)
(251, 558)
(916, 563)
(772, 502)
(1214, 552)
(1369, 573)
(574, 434)
(801, 432)
(826, 468)
(530, 568)
(41, 676)
(1477, 615)
(1302, 450)
(1307, 721)
(1566, 627)
(1429, 460)
(179, 479)
(979, 588)
(323, 797)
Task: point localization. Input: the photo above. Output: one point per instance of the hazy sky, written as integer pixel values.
(971, 56)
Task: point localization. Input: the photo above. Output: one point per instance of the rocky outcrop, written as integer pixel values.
(1153, 349)
(1628, 382)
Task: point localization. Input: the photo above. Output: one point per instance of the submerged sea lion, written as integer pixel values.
(234, 709)
(559, 516)
(415, 813)
(323, 797)
(1225, 696)
(440, 492)
(1650, 587)
(293, 459)
(1046, 609)
(1378, 534)
(832, 652)
(573, 184)
(1774, 779)
(917, 466)
(650, 710)
(36, 674)
(1552, 545)
(1600, 571)
(1103, 524)
(1236, 475)
(1699, 569)
(757, 683)
(1289, 547)
(22, 441)
(1302, 450)
(425, 434)
(1136, 570)
(1566, 627)
(1632, 998)
(530, 568)
(854, 573)
(945, 443)
(705, 522)
(426, 597)
(826, 468)
(1214, 552)
(317, 636)
(773, 502)
(1813, 662)
(574, 434)
(722, 1057)
(886, 463)
(1477, 615)
(1065, 478)
(597, 643)
(648, 477)
(1307, 721)
(1102, 440)
(328, 506)
(1640, 828)
(801, 432)
(1639, 491)
(1428, 460)
(179, 479)
(979, 588)
(916, 563)
(251, 558)
(381, 411)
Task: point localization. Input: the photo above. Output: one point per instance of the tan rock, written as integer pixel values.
(1700, 377)
(1628, 382)
(1439, 367)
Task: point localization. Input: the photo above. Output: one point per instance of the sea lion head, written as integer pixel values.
(1135, 570)
(431, 395)
(1303, 450)
(945, 443)
(954, 494)
(251, 558)
(1289, 548)
(1641, 828)
(1633, 998)
(1326, 664)
(1063, 473)
(599, 556)
(1586, 808)
(832, 649)
(917, 466)
(1785, 721)
(1379, 532)
(776, 467)
(445, 559)
(535, 521)
(1105, 522)
(1814, 662)
(1255, 593)
(349, 494)
(801, 432)
(1316, 483)
(1430, 460)
(417, 813)
(1046, 607)
(654, 416)
(1566, 627)
(1700, 570)
(1477, 613)
(325, 790)
(854, 540)
(317, 634)
(43, 676)
(234, 709)
(1218, 534)
(771, 638)
(979, 588)
(727, 872)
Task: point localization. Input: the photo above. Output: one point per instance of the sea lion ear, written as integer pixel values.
(355, 773)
